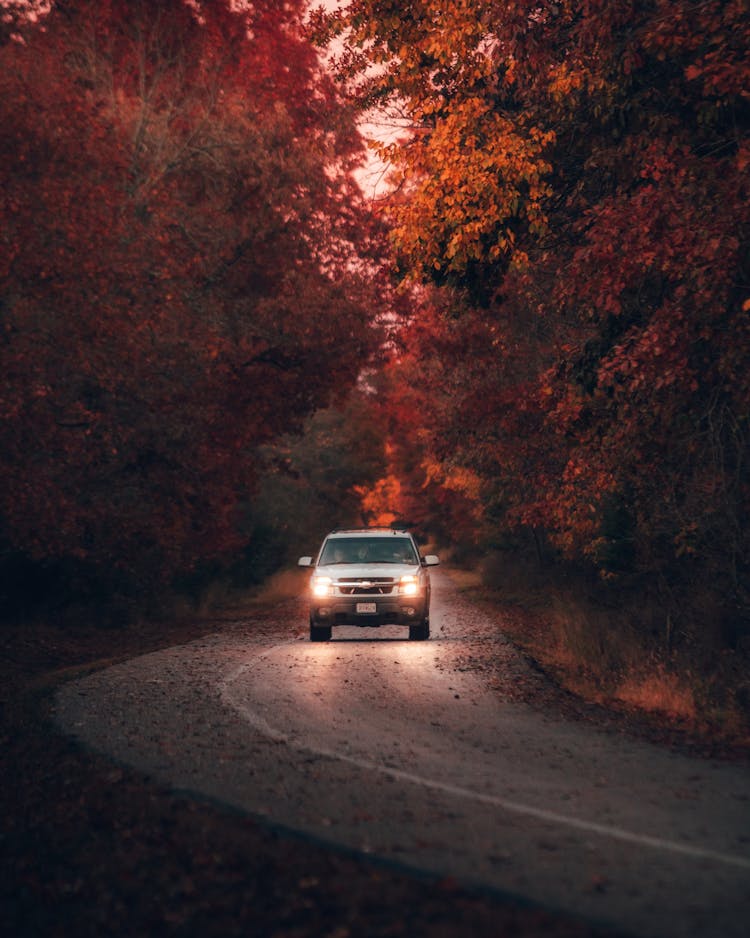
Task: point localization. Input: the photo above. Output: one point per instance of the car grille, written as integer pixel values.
(380, 586)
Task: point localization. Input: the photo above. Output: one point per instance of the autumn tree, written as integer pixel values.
(186, 272)
(577, 176)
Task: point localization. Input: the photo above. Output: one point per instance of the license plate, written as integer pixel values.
(367, 607)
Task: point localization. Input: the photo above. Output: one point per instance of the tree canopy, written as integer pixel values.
(573, 177)
(186, 271)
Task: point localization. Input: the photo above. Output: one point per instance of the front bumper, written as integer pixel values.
(368, 611)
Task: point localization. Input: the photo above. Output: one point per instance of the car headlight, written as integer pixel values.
(321, 586)
(409, 585)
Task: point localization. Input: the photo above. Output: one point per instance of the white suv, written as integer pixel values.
(369, 576)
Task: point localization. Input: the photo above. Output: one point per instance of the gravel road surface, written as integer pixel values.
(418, 753)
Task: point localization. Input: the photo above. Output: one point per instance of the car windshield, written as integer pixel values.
(368, 550)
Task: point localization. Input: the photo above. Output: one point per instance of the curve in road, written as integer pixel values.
(394, 748)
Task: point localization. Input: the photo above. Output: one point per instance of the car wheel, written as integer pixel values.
(319, 633)
(421, 632)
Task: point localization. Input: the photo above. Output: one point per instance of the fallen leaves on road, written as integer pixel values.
(90, 849)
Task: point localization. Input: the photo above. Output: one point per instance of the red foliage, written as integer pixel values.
(182, 271)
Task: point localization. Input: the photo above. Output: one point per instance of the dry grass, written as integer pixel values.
(623, 653)
(282, 586)
(220, 596)
(659, 691)
(466, 579)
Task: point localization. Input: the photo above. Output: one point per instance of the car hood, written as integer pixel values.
(367, 571)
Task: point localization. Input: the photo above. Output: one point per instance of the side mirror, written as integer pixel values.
(305, 562)
(431, 560)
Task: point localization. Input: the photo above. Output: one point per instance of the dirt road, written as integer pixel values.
(409, 752)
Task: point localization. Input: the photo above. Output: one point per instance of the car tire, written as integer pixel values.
(319, 633)
(421, 632)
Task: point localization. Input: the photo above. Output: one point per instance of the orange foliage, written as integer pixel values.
(381, 502)
(578, 176)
